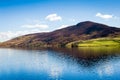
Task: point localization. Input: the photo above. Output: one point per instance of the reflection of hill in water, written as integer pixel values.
(90, 56)
(85, 56)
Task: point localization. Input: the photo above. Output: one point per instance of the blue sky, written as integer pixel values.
(20, 17)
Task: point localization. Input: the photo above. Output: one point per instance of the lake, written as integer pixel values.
(60, 64)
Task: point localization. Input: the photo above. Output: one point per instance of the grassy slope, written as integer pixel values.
(96, 42)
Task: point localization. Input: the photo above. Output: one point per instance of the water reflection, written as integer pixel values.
(89, 56)
(60, 64)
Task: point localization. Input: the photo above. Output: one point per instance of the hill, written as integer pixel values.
(81, 31)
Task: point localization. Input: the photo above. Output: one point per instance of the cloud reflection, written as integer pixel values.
(106, 69)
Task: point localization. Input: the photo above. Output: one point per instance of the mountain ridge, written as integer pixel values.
(81, 31)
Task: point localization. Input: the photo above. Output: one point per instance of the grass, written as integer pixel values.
(108, 42)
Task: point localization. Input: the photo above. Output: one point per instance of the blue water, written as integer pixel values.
(50, 64)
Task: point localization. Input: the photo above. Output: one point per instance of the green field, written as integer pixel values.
(108, 42)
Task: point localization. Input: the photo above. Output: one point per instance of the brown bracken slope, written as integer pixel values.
(81, 31)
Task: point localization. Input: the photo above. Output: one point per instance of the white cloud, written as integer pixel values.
(63, 26)
(40, 26)
(4, 36)
(104, 16)
(53, 17)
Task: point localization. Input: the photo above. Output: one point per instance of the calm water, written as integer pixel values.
(60, 64)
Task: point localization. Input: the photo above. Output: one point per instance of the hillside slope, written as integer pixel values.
(81, 31)
(99, 42)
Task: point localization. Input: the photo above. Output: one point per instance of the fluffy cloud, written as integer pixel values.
(63, 26)
(104, 16)
(53, 17)
(40, 26)
(4, 36)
